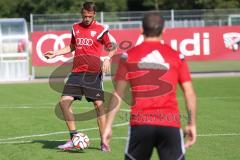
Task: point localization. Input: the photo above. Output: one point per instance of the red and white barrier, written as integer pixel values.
(197, 44)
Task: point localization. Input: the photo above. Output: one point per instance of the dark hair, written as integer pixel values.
(152, 24)
(89, 6)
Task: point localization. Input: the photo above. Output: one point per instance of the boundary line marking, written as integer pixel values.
(122, 138)
(56, 133)
(47, 104)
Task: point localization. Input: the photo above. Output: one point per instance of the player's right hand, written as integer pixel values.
(191, 135)
(50, 54)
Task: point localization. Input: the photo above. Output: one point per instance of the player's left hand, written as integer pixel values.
(191, 135)
(106, 66)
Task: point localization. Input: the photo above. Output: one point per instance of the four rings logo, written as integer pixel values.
(58, 42)
(232, 40)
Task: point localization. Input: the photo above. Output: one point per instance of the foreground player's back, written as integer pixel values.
(154, 71)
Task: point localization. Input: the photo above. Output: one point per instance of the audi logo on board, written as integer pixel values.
(58, 43)
(197, 44)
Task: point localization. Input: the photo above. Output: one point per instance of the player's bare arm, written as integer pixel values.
(190, 100)
(111, 48)
(114, 107)
(106, 61)
(65, 50)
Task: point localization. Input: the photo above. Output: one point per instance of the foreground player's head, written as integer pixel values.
(153, 24)
(88, 13)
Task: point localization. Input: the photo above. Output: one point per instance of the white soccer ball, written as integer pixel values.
(80, 141)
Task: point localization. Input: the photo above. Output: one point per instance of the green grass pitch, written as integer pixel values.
(30, 130)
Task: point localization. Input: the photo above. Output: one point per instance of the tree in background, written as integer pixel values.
(23, 8)
(138, 5)
(220, 4)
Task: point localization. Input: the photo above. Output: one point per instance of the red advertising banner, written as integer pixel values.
(197, 44)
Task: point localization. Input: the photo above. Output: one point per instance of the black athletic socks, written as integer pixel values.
(72, 133)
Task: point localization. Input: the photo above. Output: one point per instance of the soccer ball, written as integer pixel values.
(80, 141)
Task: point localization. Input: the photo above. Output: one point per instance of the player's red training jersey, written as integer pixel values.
(89, 42)
(153, 71)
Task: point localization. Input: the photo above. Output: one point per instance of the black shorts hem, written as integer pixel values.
(80, 98)
(76, 97)
(93, 99)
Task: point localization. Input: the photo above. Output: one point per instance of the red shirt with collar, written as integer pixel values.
(89, 42)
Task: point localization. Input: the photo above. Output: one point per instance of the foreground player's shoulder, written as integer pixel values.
(124, 56)
(136, 48)
(174, 54)
(169, 49)
(130, 52)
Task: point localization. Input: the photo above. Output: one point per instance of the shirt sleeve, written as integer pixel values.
(122, 69)
(73, 40)
(108, 41)
(184, 74)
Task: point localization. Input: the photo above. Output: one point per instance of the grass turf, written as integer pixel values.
(28, 110)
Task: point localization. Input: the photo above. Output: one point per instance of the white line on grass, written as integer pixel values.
(51, 105)
(219, 134)
(124, 138)
(26, 107)
(56, 133)
(95, 128)
(27, 104)
(91, 139)
(16, 142)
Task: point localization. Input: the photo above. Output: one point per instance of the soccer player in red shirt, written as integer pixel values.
(88, 39)
(153, 71)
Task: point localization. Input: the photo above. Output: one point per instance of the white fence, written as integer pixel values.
(14, 55)
(118, 20)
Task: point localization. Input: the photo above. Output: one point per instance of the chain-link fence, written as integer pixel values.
(119, 20)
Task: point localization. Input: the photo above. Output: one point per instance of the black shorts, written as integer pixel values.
(167, 140)
(87, 84)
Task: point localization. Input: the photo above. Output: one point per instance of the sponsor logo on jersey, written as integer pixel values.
(93, 33)
(84, 42)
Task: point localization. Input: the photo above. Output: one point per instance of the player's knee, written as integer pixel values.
(98, 104)
(99, 108)
(65, 101)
